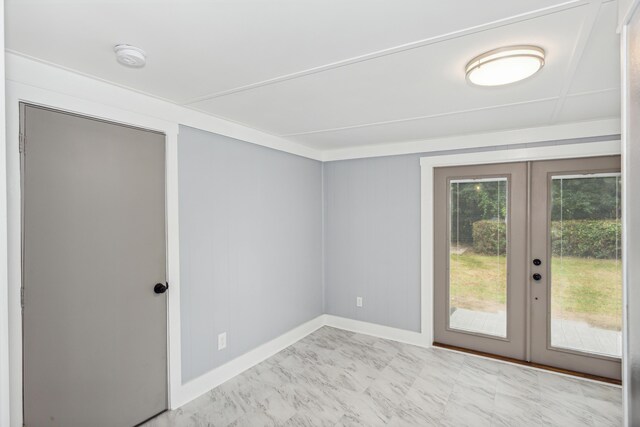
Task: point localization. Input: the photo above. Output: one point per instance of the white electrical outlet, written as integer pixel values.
(358, 301)
(222, 341)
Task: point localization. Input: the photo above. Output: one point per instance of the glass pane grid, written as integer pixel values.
(586, 276)
(478, 255)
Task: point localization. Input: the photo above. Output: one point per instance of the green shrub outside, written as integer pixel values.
(580, 238)
(490, 237)
(587, 239)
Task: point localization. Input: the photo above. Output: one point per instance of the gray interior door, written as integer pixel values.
(480, 248)
(95, 333)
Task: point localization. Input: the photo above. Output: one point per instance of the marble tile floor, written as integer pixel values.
(338, 378)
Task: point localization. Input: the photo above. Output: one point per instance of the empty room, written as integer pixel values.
(320, 213)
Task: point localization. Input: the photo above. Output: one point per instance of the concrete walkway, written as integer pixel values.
(569, 334)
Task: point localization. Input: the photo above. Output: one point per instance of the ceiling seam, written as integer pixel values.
(527, 16)
(430, 116)
(578, 53)
(450, 113)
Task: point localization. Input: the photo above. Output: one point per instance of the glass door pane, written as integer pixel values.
(586, 269)
(478, 255)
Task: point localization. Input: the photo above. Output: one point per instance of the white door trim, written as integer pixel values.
(427, 166)
(17, 93)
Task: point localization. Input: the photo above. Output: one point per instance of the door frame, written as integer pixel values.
(579, 148)
(64, 103)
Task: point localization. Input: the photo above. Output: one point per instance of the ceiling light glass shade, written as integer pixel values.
(505, 65)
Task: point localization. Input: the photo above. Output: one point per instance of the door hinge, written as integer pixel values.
(21, 142)
(22, 298)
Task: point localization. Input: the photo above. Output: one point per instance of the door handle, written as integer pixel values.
(537, 277)
(159, 288)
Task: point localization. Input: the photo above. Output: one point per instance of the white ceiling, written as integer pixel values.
(333, 74)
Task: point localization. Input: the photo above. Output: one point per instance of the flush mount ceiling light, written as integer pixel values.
(505, 65)
(130, 56)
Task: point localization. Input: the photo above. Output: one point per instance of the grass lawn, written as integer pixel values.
(583, 288)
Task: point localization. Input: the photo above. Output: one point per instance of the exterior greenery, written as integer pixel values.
(585, 214)
(585, 198)
(585, 243)
(585, 289)
(473, 201)
(490, 237)
(587, 239)
(579, 238)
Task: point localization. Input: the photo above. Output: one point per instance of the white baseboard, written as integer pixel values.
(204, 383)
(380, 331)
(199, 386)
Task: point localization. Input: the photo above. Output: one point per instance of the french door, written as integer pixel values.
(528, 262)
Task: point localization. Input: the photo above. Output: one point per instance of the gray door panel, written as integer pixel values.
(95, 333)
(514, 177)
(574, 349)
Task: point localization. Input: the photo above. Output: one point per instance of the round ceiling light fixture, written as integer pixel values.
(130, 56)
(505, 65)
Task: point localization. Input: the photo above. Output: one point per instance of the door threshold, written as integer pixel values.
(530, 364)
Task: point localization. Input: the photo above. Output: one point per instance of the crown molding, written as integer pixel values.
(625, 10)
(574, 130)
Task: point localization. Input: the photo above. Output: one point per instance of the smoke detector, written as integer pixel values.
(130, 56)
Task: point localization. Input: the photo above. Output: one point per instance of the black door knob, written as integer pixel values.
(537, 276)
(537, 262)
(159, 288)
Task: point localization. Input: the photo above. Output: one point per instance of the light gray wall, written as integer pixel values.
(250, 246)
(372, 240)
(372, 235)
